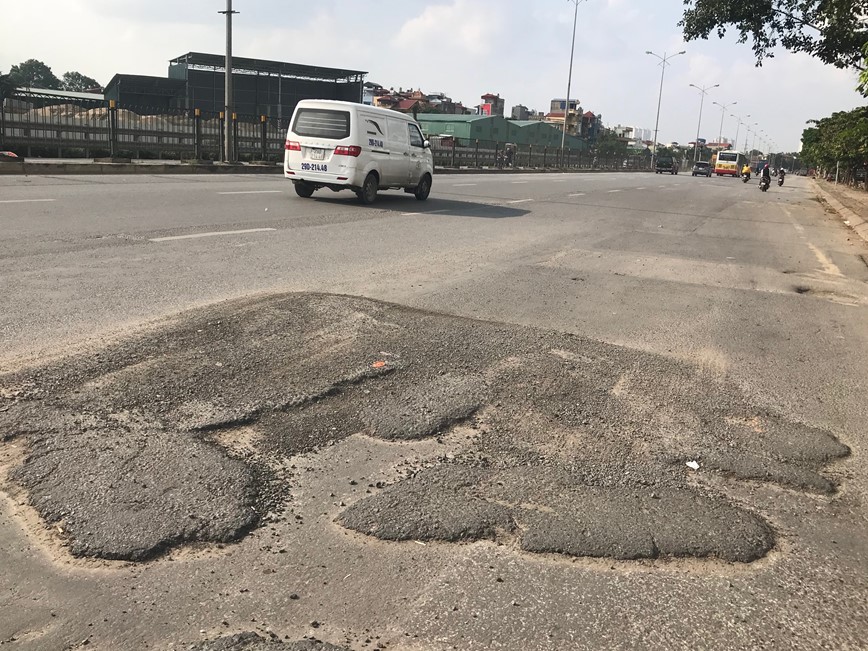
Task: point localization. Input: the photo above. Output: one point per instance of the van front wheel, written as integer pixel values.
(424, 188)
(368, 193)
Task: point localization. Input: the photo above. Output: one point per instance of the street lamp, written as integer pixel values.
(738, 128)
(723, 108)
(703, 92)
(664, 61)
(748, 133)
(570, 75)
(229, 154)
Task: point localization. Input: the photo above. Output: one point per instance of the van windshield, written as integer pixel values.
(322, 123)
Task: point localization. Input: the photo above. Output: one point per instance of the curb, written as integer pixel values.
(850, 218)
(19, 169)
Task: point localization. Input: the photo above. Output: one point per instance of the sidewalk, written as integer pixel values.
(849, 203)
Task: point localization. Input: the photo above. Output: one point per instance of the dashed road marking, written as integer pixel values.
(462, 185)
(192, 236)
(611, 191)
(27, 200)
(254, 192)
(577, 194)
(518, 182)
(520, 201)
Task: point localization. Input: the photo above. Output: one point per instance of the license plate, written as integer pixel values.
(317, 154)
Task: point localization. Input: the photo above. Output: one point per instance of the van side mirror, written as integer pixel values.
(426, 144)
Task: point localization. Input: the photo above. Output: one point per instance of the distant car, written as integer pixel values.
(666, 165)
(9, 157)
(701, 169)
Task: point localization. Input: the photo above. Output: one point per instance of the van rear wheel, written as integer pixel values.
(304, 189)
(424, 188)
(368, 194)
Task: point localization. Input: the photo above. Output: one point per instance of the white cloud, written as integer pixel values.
(464, 27)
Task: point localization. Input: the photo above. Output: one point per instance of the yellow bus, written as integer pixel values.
(729, 163)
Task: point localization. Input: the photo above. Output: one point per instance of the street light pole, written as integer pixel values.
(703, 91)
(570, 75)
(738, 128)
(723, 108)
(228, 122)
(664, 61)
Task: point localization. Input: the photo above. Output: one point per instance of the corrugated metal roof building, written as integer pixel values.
(496, 129)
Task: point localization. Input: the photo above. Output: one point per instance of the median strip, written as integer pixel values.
(210, 234)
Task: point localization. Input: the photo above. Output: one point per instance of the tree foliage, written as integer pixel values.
(7, 86)
(834, 31)
(77, 82)
(840, 139)
(34, 73)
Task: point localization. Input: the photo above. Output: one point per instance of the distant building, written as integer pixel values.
(370, 91)
(261, 87)
(558, 105)
(592, 126)
(520, 112)
(491, 105)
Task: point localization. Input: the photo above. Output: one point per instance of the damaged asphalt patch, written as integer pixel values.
(252, 642)
(580, 448)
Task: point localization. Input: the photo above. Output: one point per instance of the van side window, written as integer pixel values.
(416, 139)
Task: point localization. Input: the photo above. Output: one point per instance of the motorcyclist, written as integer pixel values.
(766, 175)
(782, 173)
(746, 170)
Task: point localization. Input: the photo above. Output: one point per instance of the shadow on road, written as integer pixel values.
(408, 204)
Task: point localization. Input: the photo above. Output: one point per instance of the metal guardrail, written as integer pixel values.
(46, 126)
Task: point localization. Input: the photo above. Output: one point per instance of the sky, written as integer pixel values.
(465, 48)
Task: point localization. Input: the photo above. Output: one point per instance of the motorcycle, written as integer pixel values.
(780, 180)
(745, 177)
(764, 183)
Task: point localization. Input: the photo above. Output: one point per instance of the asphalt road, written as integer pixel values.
(694, 300)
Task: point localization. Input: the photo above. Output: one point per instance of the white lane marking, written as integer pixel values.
(27, 200)
(577, 194)
(663, 186)
(426, 212)
(640, 188)
(611, 191)
(254, 192)
(520, 201)
(518, 182)
(829, 267)
(462, 185)
(210, 234)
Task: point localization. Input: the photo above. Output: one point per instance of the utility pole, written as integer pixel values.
(570, 75)
(229, 122)
(664, 61)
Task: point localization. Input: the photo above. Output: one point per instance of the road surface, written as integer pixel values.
(461, 423)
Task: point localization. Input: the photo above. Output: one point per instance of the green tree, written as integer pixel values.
(7, 86)
(832, 30)
(840, 140)
(34, 73)
(77, 82)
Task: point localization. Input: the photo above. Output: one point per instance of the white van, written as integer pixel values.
(347, 146)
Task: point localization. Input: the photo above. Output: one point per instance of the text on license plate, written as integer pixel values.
(317, 154)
